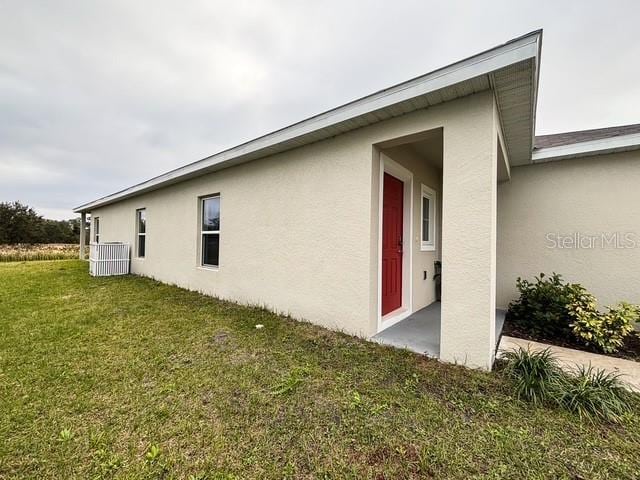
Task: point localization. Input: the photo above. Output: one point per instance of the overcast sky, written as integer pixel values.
(97, 96)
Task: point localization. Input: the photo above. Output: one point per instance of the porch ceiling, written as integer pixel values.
(511, 70)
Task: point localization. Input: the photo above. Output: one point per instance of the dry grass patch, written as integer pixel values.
(25, 252)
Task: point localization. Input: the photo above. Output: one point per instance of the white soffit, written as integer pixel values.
(510, 69)
(515, 90)
(602, 146)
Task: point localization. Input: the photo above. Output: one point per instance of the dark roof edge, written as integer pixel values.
(585, 143)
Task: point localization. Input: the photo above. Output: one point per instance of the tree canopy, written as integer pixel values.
(21, 224)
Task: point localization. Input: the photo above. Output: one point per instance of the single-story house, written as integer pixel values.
(344, 219)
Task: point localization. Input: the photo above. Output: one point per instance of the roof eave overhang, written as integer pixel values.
(463, 77)
(603, 146)
(516, 93)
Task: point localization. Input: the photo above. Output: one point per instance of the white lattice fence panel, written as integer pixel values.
(106, 259)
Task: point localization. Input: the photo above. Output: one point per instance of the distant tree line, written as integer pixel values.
(21, 224)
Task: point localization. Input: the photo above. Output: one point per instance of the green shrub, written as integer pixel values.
(544, 306)
(594, 395)
(606, 331)
(534, 374)
(549, 308)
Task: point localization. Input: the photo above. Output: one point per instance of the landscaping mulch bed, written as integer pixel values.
(629, 351)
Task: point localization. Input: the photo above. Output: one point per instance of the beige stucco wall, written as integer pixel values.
(294, 233)
(299, 230)
(469, 185)
(588, 196)
(424, 173)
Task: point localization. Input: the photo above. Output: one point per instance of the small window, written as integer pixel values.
(141, 231)
(428, 217)
(96, 229)
(210, 232)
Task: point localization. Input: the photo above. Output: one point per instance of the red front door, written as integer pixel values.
(392, 195)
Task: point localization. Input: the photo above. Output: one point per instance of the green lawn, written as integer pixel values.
(94, 372)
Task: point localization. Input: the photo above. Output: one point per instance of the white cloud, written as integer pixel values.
(54, 213)
(96, 96)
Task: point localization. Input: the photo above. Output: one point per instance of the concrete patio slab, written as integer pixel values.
(569, 358)
(420, 332)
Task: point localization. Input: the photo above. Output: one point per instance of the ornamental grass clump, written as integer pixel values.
(590, 393)
(534, 375)
(594, 395)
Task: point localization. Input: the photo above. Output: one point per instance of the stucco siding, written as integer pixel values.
(589, 197)
(469, 185)
(299, 230)
(292, 233)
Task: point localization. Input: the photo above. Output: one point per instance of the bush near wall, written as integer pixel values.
(607, 331)
(549, 308)
(544, 306)
(26, 252)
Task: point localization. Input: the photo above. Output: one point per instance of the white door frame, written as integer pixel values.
(387, 165)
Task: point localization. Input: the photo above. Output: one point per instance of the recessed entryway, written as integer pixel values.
(409, 209)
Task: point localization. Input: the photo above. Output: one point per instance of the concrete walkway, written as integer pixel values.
(569, 358)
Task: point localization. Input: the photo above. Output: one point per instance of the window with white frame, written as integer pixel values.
(141, 232)
(428, 217)
(96, 229)
(210, 231)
